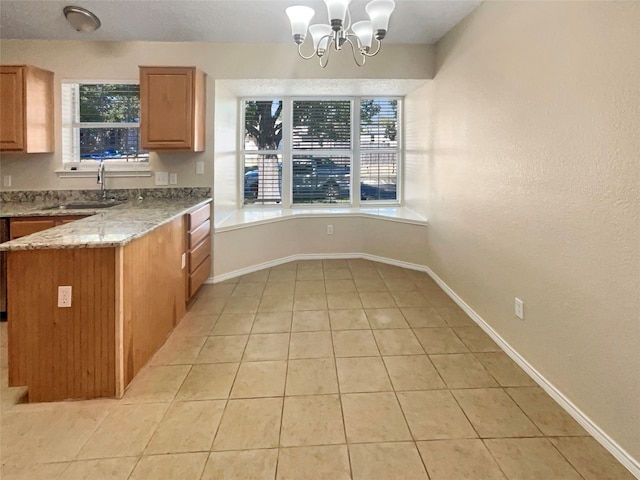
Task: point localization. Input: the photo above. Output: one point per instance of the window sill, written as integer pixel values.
(112, 171)
(248, 217)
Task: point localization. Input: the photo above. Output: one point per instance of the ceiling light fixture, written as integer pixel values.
(359, 35)
(81, 19)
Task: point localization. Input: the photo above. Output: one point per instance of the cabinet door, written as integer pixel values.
(22, 228)
(167, 108)
(12, 114)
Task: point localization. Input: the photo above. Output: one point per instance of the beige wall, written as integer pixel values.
(120, 61)
(418, 117)
(533, 176)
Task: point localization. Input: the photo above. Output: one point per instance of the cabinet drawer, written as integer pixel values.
(20, 228)
(197, 235)
(199, 216)
(198, 277)
(198, 254)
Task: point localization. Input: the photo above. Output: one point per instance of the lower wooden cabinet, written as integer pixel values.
(199, 248)
(23, 226)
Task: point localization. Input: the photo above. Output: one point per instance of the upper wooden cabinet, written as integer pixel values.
(172, 108)
(26, 109)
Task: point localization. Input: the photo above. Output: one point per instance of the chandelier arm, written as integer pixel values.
(377, 50)
(300, 53)
(353, 52)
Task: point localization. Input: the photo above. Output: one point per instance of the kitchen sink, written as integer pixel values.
(83, 205)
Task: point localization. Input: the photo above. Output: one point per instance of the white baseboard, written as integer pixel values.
(605, 440)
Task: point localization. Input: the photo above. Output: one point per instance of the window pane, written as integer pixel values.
(263, 125)
(111, 143)
(322, 125)
(262, 179)
(378, 176)
(379, 124)
(321, 179)
(110, 103)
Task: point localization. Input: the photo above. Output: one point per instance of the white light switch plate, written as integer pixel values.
(6, 180)
(173, 179)
(162, 178)
(199, 168)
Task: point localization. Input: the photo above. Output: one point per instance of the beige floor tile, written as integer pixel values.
(281, 289)
(310, 301)
(493, 414)
(195, 325)
(397, 342)
(439, 299)
(343, 301)
(462, 371)
(170, 467)
(400, 284)
(241, 465)
(340, 286)
(410, 299)
(38, 471)
(370, 283)
(337, 273)
(310, 287)
(260, 276)
(380, 318)
(310, 345)
(434, 415)
(248, 289)
(362, 374)
(312, 420)
(218, 290)
(125, 432)
(476, 340)
(249, 424)
(543, 410)
(242, 305)
(222, 349)
(260, 379)
(267, 346)
(178, 350)
(156, 383)
(233, 324)
(504, 370)
(54, 432)
(459, 460)
(423, 317)
(310, 321)
(310, 274)
(187, 427)
(377, 300)
(272, 322)
(386, 461)
(350, 319)
(530, 459)
(314, 463)
(208, 381)
(454, 316)
(311, 377)
(354, 343)
(413, 372)
(590, 459)
(374, 417)
(282, 275)
(440, 340)
(208, 305)
(104, 469)
(276, 303)
(390, 271)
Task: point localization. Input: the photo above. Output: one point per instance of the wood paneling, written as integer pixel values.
(62, 353)
(153, 293)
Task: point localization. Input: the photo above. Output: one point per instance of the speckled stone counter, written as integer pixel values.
(105, 227)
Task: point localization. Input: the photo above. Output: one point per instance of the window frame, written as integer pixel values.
(71, 160)
(287, 151)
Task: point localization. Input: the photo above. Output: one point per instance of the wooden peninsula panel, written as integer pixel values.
(125, 302)
(62, 353)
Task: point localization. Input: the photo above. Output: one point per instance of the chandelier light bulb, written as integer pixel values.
(379, 12)
(364, 31)
(321, 35)
(299, 17)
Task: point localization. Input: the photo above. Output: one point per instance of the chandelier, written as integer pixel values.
(358, 35)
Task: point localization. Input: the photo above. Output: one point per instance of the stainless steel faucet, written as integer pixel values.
(102, 180)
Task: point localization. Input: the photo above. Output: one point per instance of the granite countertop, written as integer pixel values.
(104, 227)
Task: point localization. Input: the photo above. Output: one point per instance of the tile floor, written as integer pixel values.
(319, 370)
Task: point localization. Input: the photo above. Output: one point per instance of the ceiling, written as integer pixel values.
(413, 21)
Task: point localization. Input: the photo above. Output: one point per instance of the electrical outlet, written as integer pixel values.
(64, 296)
(519, 309)
(329, 229)
(173, 179)
(199, 168)
(162, 178)
(6, 180)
